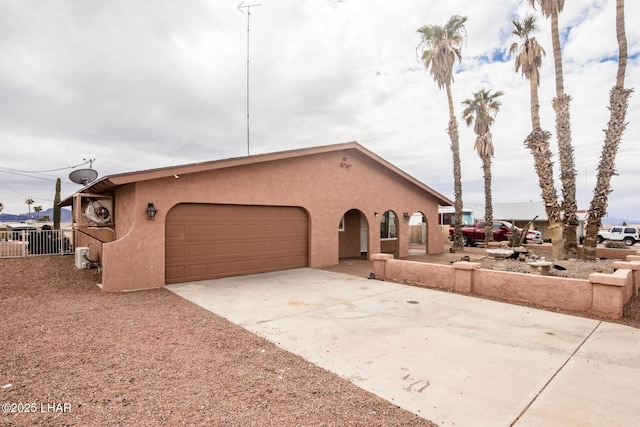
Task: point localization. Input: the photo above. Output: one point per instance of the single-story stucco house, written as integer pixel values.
(300, 208)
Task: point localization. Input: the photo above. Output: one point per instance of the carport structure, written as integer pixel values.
(299, 208)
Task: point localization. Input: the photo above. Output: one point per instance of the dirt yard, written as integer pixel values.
(75, 356)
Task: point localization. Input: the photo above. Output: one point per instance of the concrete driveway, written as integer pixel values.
(453, 359)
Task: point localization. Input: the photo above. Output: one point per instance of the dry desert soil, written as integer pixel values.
(73, 355)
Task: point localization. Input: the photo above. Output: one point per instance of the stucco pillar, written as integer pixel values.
(608, 292)
(634, 266)
(463, 276)
(403, 237)
(379, 263)
(435, 237)
(373, 245)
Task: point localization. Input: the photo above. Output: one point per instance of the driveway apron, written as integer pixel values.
(453, 359)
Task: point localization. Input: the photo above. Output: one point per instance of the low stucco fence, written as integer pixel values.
(601, 294)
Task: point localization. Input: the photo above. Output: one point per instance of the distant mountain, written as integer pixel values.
(65, 216)
(619, 221)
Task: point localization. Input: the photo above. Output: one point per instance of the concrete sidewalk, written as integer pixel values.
(452, 359)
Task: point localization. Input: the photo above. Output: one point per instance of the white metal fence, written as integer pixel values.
(14, 244)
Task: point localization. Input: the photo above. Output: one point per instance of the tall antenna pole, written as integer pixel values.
(248, 7)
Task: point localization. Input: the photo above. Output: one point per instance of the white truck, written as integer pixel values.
(626, 234)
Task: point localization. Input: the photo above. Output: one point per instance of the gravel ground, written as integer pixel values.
(79, 357)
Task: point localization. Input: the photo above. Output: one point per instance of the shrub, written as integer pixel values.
(614, 244)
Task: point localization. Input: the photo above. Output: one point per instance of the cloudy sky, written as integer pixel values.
(139, 84)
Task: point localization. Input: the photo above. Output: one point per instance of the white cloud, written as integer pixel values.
(138, 84)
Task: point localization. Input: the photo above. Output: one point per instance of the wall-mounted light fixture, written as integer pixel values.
(406, 216)
(151, 211)
(375, 213)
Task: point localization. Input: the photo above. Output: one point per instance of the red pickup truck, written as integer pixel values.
(475, 234)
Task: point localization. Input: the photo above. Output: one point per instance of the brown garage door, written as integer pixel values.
(206, 241)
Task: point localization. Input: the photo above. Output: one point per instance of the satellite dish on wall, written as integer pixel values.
(83, 176)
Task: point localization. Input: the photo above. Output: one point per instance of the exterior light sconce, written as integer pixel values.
(406, 216)
(151, 211)
(375, 213)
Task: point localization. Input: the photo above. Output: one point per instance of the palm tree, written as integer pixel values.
(29, 202)
(37, 210)
(440, 47)
(481, 110)
(529, 59)
(618, 103)
(551, 8)
(1, 207)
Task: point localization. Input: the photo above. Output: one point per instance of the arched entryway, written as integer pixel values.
(418, 234)
(353, 235)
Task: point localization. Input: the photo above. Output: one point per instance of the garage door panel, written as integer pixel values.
(196, 250)
(173, 273)
(217, 230)
(175, 251)
(197, 270)
(256, 264)
(237, 248)
(217, 249)
(253, 247)
(195, 231)
(253, 229)
(271, 245)
(238, 267)
(237, 229)
(216, 269)
(174, 230)
(210, 241)
(289, 245)
(298, 260)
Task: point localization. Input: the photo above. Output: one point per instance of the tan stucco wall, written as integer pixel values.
(93, 238)
(320, 183)
(602, 294)
(133, 261)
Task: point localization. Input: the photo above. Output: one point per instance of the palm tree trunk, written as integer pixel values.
(565, 149)
(538, 143)
(488, 204)
(621, 35)
(457, 175)
(567, 175)
(457, 185)
(557, 54)
(618, 102)
(535, 103)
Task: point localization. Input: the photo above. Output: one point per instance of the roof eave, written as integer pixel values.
(111, 182)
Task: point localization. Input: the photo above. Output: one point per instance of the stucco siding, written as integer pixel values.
(324, 184)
